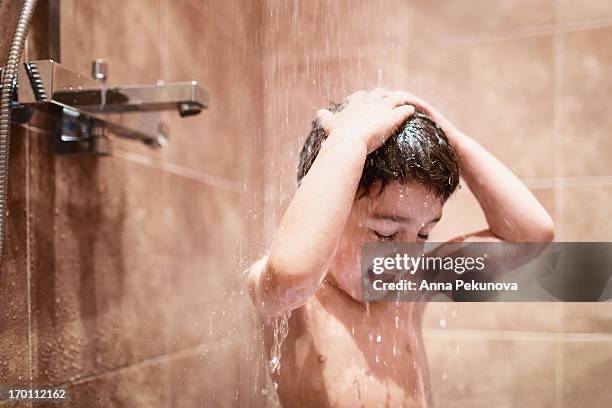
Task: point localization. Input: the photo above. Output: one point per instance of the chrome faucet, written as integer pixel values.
(82, 108)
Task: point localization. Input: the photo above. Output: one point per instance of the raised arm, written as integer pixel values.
(511, 210)
(306, 239)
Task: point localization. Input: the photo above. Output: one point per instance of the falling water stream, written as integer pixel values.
(281, 329)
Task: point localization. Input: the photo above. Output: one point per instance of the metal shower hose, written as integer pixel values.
(9, 75)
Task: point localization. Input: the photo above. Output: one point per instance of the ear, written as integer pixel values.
(325, 118)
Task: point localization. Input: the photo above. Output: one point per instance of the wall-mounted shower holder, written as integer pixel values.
(84, 110)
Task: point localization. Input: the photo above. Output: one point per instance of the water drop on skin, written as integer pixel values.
(378, 338)
(443, 323)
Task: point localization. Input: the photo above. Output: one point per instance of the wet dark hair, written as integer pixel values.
(418, 150)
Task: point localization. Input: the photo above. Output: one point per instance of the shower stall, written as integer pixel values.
(122, 276)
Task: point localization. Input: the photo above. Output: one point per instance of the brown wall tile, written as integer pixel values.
(209, 376)
(143, 385)
(239, 21)
(204, 376)
(586, 373)
(136, 268)
(212, 141)
(126, 259)
(482, 90)
(516, 316)
(570, 11)
(180, 41)
(587, 317)
(9, 12)
(584, 139)
(470, 86)
(140, 256)
(124, 33)
(462, 213)
(476, 371)
(584, 213)
(14, 308)
(324, 27)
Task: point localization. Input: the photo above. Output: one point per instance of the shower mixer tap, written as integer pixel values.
(83, 110)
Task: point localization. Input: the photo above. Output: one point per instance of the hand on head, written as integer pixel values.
(368, 116)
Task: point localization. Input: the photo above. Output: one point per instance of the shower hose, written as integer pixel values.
(9, 79)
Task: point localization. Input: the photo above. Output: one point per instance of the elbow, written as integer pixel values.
(545, 231)
(283, 287)
(288, 278)
(265, 292)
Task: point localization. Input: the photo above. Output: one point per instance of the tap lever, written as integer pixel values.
(77, 101)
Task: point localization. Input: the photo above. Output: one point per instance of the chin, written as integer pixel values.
(353, 290)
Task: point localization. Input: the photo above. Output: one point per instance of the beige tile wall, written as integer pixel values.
(527, 79)
(121, 274)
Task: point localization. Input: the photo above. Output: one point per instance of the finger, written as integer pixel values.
(426, 108)
(397, 99)
(325, 117)
(411, 99)
(401, 113)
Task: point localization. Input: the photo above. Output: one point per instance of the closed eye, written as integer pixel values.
(385, 238)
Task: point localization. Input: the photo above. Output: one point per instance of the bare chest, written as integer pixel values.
(335, 357)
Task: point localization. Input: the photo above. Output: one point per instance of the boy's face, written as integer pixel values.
(400, 213)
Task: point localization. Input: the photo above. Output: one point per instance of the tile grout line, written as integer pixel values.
(27, 238)
(161, 358)
(217, 181)
(28, 258)
(497, 334)
(186, 172)
(163, 39)
(569, 181)
(556, 109)
(32, 128)
(164, 68)
(176, 169)
(213, 17)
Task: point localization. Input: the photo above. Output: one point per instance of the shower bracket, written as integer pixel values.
(84, 111)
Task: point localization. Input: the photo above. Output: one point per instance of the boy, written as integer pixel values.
(377, 168)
